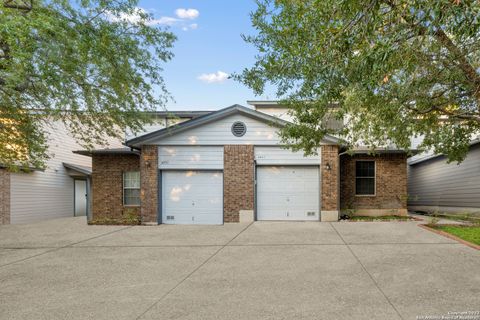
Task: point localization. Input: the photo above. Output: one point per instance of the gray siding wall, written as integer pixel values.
(190, 157)
(436, 183)
(219, 133)
(48, 194)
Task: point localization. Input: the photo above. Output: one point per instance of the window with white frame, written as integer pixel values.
(131, 188)
(365, 178)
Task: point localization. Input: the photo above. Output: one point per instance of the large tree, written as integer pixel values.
(93, 64)
(392, 69)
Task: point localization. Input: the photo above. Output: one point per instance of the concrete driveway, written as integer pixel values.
(64, 269)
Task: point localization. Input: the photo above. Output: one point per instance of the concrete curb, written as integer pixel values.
(451, 236)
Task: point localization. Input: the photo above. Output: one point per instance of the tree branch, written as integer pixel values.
(468, 70)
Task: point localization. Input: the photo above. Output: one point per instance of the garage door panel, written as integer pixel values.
(179, 219)
(288, 193)
(192, 197)
(207, 219)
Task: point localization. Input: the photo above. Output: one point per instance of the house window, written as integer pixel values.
(131, 188)
(365, 178)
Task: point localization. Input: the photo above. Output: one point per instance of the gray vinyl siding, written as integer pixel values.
(190, 157)
(219, 133)
(278, 156)
(436, 183)
(48, 194)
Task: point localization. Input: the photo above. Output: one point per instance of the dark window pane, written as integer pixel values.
(365, 169)
(365, 186)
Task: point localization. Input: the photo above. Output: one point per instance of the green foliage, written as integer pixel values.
(83, 63)
(468, 233)
(392, 69)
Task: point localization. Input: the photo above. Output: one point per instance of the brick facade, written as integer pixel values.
(238, 181)
(107, 189)
(330, 183)
(4, 196)
(337, 185)
(149, 184)
(391, 185)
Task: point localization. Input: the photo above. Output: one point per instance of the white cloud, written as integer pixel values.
(164, 21)
(216, 77)
(140, 14)
(187, 13)
(192, 26)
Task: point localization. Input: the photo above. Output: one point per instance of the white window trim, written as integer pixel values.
(374, 179)
(130, 188)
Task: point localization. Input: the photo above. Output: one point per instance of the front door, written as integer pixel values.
(80, 201)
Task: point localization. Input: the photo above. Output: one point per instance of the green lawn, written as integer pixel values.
(382, 218)
(468, 233)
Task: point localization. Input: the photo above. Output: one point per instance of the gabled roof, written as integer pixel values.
(412, 161)
(208, 118)
(180, 114)
(78, 168)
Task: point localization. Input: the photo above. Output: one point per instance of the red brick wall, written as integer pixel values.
(149, 184)
(391, 182)
(4, 196)
(330, 183)
(238, 181)
(107, 188)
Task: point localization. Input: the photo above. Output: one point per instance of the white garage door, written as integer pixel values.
(192, 197)
(288, 193)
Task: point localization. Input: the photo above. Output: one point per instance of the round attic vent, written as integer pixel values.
(239, 128)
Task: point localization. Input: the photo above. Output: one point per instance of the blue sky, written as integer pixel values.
(209, 41)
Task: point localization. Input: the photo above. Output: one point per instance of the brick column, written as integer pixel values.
(4, 196)
(330, 183)
(149, 184)
(238, 183)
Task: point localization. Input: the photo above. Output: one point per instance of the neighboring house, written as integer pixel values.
(61, 189)
(229, 166)
(435, 185)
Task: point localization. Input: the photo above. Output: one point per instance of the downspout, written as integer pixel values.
(254, 190)
(339, 183)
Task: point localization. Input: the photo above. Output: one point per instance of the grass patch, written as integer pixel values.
(380, 218)
(467, 233)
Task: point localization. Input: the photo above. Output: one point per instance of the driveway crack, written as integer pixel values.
(366, 271)
(192, 272)
(59, 248)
